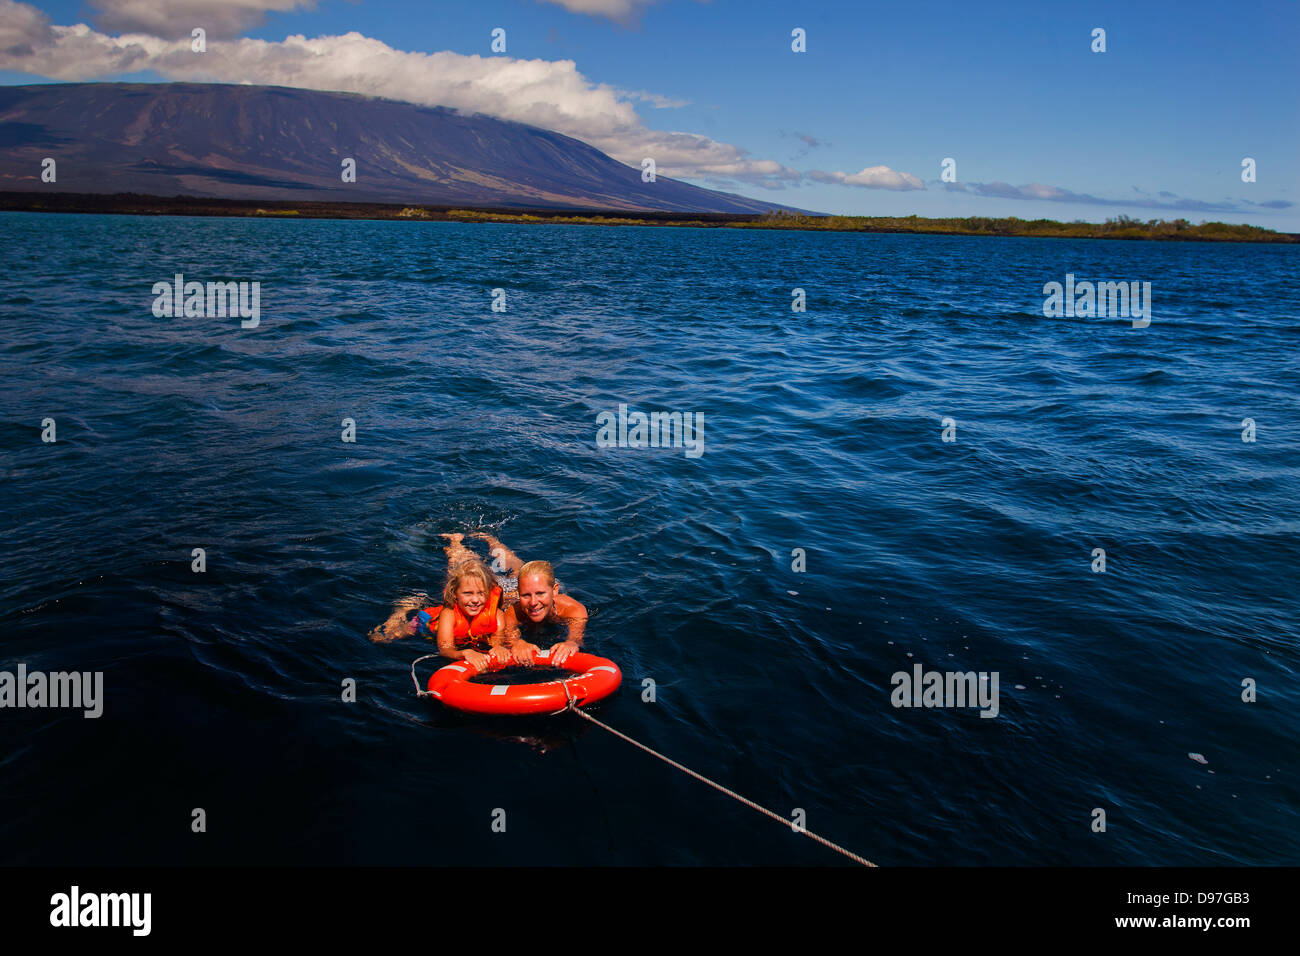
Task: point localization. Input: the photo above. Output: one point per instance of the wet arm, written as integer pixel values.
(520, 647)
(447, 639)
(498, 647)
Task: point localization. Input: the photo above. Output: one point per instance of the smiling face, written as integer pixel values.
(471, 595)
(537, 597)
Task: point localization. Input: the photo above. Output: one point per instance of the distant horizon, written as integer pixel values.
(1189, 111)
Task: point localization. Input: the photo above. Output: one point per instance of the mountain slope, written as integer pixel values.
(262, 142)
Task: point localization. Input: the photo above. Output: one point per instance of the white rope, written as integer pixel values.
(717, 786)
(419, 691)
(573, 706)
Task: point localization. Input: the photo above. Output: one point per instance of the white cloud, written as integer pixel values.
(658, 101)
(1039, 191)
(620, 11)
(172, 19)
(873, 177)
(623, 12)
(23, 30)
(547, 93)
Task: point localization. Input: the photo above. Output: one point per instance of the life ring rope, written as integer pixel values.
(420, 691)
(573, 705)
(731, 793)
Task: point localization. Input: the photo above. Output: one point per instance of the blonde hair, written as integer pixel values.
(538, 567)
(472, 568)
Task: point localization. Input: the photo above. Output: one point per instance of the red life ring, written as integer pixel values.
(594, 678)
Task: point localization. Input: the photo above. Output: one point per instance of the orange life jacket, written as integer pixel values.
(464, 630)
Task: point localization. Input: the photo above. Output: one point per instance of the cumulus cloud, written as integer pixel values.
(23, 30)
(547, 93)
(873, 177)
(172, 19)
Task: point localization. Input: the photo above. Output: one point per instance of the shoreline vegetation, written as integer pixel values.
(1121, 227)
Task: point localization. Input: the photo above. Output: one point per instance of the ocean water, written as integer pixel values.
(773, 668)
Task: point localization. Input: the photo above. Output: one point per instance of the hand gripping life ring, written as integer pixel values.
(594, 678)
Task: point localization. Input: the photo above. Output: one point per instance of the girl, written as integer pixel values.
(470, 624)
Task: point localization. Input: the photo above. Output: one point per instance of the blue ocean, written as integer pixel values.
(918, 473)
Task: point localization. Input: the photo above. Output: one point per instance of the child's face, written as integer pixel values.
(471, 596)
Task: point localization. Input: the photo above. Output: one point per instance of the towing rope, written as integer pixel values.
(573, 706)
(717, 786)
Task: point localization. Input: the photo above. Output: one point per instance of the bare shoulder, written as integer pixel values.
(569, 607)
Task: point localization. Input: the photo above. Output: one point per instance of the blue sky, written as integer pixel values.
(1155, 127)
